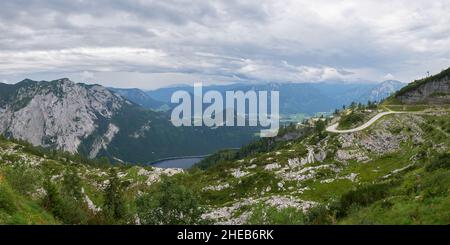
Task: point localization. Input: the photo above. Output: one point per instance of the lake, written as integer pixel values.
(183, 162)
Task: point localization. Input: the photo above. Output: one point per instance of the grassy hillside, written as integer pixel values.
(395, 172)
(17, 209)
(38, 186)
(382, 175)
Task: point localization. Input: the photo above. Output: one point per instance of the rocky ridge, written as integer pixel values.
(60, 114)
(431, 90)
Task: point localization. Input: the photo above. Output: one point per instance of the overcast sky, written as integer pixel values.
(150, 44)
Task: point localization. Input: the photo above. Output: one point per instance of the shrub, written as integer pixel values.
(440, 161)
(22, 178)
(72, 183)
(320, 215)
(263, 215)
(351, 119)
(169, 203)
(62, 206)
(362, 196)
(436, 184)
(115, 209)
(52, 200)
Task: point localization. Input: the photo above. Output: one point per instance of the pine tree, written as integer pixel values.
(114, 206)
(72, 183)
(53, 201)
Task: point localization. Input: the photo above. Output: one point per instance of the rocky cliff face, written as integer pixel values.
(384, 90)
(432, 90)
(58, 114)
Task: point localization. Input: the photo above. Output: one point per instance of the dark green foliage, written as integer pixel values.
(285, 129)
(163, 140)
(319, 126)
(336, 112)
(371, 105)
(319, 215)
(349, 202)
(440, 161)
(103, 161)
(53, 201)
(319, 129)
(169, 203)
(8, 93)
(351, 119)
(438, 94)
(224, 155)
(362, 196)
(261, 145)
(435, 184)
(22, 178)
(72, 183)
(63, 206)
(115, 209)
(263, 215)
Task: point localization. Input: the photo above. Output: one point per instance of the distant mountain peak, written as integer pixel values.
(391, 81)
(63, 80)
(139, 97)
(27, 80)
(385, 89)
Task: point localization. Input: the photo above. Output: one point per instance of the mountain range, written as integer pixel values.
(141, 98)
(94, 121)
(295, 98)
(97, 121)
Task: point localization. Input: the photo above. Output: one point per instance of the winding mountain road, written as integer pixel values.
(333, 128)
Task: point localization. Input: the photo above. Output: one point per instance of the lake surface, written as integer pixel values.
(183, 163)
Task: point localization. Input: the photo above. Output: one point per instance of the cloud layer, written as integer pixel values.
(151, 44)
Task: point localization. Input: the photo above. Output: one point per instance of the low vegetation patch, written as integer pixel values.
(351, 120)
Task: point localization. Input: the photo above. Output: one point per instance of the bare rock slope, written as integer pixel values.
(59, 114)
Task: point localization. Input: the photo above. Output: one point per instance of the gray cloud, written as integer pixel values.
(155, 43)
